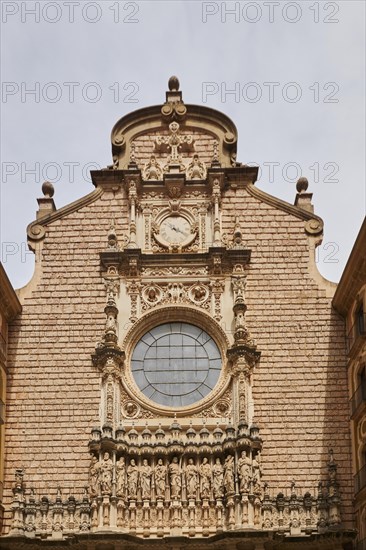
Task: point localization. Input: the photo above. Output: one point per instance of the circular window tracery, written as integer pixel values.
(176, 364)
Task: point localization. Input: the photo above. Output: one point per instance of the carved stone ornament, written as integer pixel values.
(174, 293)
(175, 143)
(152, 170)
(196, 170)
(177, 492)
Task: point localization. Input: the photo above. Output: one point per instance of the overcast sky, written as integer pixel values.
(295, 70)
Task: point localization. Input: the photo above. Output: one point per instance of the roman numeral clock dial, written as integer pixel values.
(175, 230)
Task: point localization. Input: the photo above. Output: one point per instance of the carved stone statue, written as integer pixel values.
(244, 466)
(175, 478)
(160, 479)
(132, 479)
(218, 479)
(192, 479)
(94, 471)
(257, 473)
(121, 477)
(229, 474)
(106, 468)
(145, 479)
(205, 472)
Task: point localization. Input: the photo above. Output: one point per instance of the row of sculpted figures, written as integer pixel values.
(184, 478)
(188, 494)
(195, 494)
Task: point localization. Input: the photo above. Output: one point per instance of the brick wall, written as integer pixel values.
(53, 389)
(300, 385)
(300, 388)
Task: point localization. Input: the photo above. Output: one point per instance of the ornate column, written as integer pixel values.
(132, 196)
(216, 198)
(243, 353)
(108, 356)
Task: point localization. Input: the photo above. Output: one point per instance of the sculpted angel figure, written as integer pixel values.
(218, 479)
(205, 473)
(175, 478)
(106, 467)
(160, 478)
(192, 480)
(94, 471)
(229, 474)
(132, 479)
(145, 479)
(244, 466)
(121, 477)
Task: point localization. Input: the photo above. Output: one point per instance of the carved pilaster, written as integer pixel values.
(132, 184)
(57, 510)
(18, 504)
(216, 200)
(217, 286)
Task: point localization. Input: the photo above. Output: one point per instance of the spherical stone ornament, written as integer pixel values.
(302, 185)
(173, 84)
(47, 189)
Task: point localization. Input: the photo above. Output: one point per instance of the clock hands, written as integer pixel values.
(176, 229)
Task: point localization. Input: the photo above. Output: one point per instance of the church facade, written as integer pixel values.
(178, 374)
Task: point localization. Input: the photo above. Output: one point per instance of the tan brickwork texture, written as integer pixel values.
(300, 384)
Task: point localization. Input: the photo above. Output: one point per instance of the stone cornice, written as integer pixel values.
(157, 118)
(36, 231)
(125, 258)
(354, 275)
(312, 228)
(230, 540)
(10, 304)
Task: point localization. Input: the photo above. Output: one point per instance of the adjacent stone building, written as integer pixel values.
(9, 309)
(350, 301)
(177, 375)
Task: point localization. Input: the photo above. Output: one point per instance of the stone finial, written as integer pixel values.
(175, 426)
(302, 185)
(160, 433)
(120, 433)
(173, 84)
(48, 190)
(173, 106)
(191, 432)
(218, 433)
(46, 203)
(133, 433)
(303, 198)
(204, 433)
(146, 434)
(254, 431)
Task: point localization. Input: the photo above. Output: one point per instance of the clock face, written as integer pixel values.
(175, 229)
